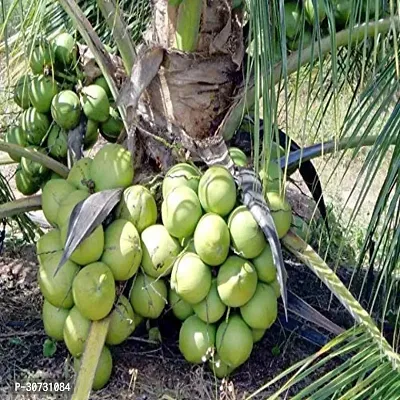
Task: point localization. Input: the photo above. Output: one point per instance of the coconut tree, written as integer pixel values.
(195, 70)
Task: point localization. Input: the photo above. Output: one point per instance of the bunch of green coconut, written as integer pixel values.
(203, 258)
(54, 101)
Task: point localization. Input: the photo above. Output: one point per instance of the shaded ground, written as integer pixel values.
(141, 370)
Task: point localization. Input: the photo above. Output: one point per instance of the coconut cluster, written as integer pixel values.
(202, 258)
(54, 101)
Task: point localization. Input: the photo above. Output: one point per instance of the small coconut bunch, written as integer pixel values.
(53, 98)
(223, 283)
(84, 289)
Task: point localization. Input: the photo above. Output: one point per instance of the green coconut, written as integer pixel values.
(234, 341)
(25, 183)
(292, 19)
(212, 239)
(66, 109)
(196, 340)
(32, 169)
(138, 206)
(76, 331)
(312, 12)
(248, 239)
(122, 250)
(276, 287)
(41, 57)
(93, 291)
(103, 370)
(16, 135)
(90, 250)
(57, 142)
(95, 103)
(41, 93)
(181, 175)
(160, 250)
(258, 334)
(101, 81)
(112, 168)
(300, 227)
(272, 178)
(281, 212)
(261, 310)
(112, 127)
(65, 49)
(57, 289)
(21, 92)
(299, 41)
(148, 296)
(138, 319)
(217, 191)
(67, 204)
(238, 156)
(91, 134)
(237, 281)
(219, 368)
(342, 12)
(265, 266)
(48, 246)
(79, 174)
(122, 322)
(211, 308)
(191, 278)
(180, 308)
(181, 211)
(54, 320)
(35, 125)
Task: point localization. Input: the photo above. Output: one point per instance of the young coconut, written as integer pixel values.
(16, 135)
(66, 109)
(212, 239)
(196, 340)
(25, 183)
(281, 212)
(236, 281)
(21, 92)
(54, 320)
(95, 103)
(41, 93)
(217, 191)
(264, 264)
(160, 250)
(248, 239)
(53, 194)
(76, 331)
(191, 278)
(101, 81)
(112, 168)
(35, 125)
(276, 288)
(148, 296)
(181, 175)
(34, 170)
(181, 211)
(234, 341)
(48, 245)
(112, 128)
(218, 367)
(138, 206)
(261, 310)
(79, 174)
(103, 369)
(65, 50)
(180, 308)
(211, 308)
(292, 19)
(272, 179)
(57, 142)
(91, 134)
(314, 12)
(122, 322)
(122, 250)
(57, 289)
(41, 57)
(93, 291)
(238, 157)
(258, 334)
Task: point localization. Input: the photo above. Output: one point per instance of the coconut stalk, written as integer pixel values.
(41, 158)
(90, 359)
(352, 35)
(20, 206)
(306, 254)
